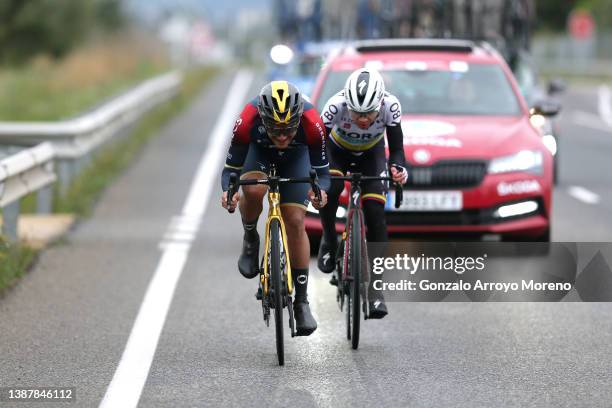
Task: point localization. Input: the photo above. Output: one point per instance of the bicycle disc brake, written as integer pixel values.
(265, 305)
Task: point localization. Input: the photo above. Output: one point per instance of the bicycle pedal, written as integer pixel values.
(333, 281)
(259, 294)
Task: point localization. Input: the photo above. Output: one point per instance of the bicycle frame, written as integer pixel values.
(354, 273)
(275, 271)
(273, 182)
(274, 212)
(353, 205)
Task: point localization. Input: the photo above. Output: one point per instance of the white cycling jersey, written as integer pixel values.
(346, 134)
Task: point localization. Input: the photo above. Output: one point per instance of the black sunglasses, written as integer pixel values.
(277, 131)
(362, 114)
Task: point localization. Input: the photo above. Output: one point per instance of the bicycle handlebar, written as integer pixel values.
(235, 183)
(358, 178)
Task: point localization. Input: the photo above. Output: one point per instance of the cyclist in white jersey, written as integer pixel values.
(356, 120)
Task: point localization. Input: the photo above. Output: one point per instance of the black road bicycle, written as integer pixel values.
(352, 263)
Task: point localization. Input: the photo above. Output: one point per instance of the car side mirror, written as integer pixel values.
(556, 86)
(546, 108)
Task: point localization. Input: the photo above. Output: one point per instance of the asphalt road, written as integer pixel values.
(585, 163)
(68, 321)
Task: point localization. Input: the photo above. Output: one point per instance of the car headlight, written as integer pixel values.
(538, 121)
(524, 161)
(281, 54)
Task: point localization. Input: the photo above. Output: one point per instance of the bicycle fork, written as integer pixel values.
(287, 291)
(273, 200)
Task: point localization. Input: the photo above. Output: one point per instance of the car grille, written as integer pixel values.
(456, 174)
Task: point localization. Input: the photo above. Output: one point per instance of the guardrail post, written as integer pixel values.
(65, 171)
(44, 200)
(10, 216)
(82, 163)
(87, 159)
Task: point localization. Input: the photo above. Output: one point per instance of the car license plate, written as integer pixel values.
(427, 201)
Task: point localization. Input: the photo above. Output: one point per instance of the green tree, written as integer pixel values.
(53, 27)
(552, 14)
(601, 11)
(109, 14)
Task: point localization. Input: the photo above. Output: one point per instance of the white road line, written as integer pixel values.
(590, 120)
(179, 236)
(584, 195)
(129, 379)
(605, 104)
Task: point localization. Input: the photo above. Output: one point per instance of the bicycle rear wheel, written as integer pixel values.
(353, 309)
(277, 288)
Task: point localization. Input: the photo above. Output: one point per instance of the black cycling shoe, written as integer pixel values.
(326, 261)
(378, 308)
(247, 262)
(305, 323)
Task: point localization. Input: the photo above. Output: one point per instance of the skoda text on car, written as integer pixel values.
(477, 165)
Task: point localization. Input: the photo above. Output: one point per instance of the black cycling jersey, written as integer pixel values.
(252, 150)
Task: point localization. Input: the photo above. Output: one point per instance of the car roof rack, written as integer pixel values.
(415, 44)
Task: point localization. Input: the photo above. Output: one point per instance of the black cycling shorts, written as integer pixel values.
(371, 162)
(292, 162)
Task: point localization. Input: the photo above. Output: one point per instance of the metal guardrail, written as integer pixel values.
(20, 174)
(75, 139)
(563, 55)
(70, 144)
(594, 69)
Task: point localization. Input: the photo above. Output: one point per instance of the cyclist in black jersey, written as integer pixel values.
(279, 127)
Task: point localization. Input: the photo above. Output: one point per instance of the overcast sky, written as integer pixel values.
(151, 9)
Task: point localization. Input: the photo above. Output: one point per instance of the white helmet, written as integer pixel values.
(364, 90)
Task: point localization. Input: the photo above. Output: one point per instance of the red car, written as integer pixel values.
(477, 166)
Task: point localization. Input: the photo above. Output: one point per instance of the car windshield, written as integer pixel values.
(477, 89)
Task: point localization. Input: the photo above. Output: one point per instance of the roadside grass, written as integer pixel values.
(15, 259)
(48, 90)
(104, 168)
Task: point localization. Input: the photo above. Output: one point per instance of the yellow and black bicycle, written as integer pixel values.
(275, 283)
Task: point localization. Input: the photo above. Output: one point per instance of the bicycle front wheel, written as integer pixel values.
(277, 287)
(354, 264)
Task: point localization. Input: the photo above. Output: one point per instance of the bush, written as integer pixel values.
(51, 27)
(14, 261)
